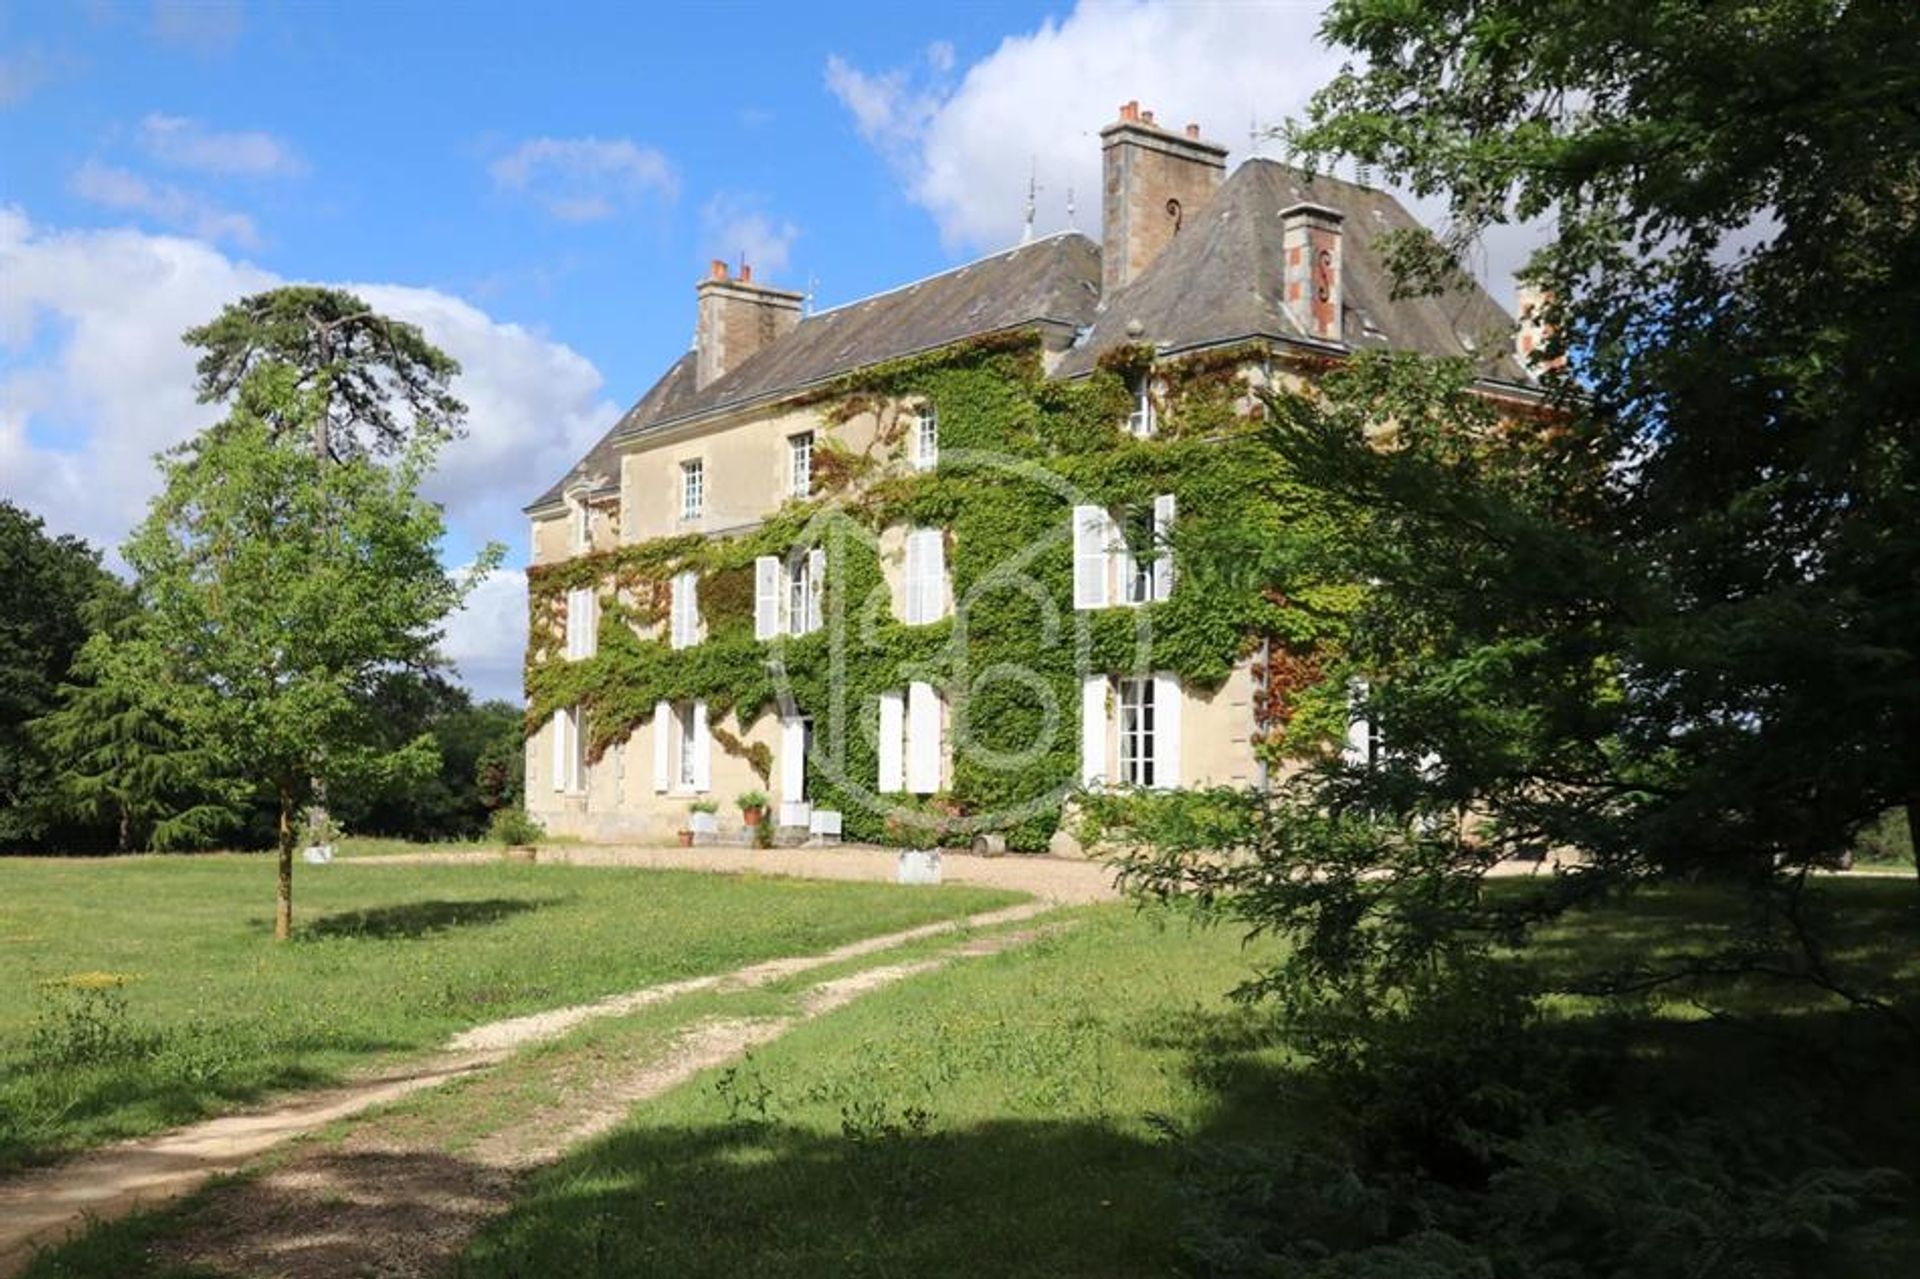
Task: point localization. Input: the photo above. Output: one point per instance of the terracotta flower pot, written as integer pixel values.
(686, 839)
(752, 816)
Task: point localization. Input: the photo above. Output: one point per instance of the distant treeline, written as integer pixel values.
(86, 767)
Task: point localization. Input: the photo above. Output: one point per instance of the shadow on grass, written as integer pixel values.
(410, 921)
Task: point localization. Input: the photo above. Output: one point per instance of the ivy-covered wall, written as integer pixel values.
(1016, 452)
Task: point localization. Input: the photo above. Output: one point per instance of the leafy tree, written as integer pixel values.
(47, 585)
(280, 589)
(1736, 279)
(453, 802)
(122, 761)
(355, 362)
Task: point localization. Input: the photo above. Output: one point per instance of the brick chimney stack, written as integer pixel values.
(1532, 335)
(1156, 182)
(736, 319)
(1311, 288)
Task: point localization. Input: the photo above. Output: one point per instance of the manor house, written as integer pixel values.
(699, 633)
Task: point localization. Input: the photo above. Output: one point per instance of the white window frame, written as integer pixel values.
(1106, 572)
(693, 488)
(926, 576)
(569, 752)
(583, 623)
(800, 464)
(684, 620)
(912, 740)
(684, 734)
(926, 438)
(1133, 721)
(1142, 421)
(788, 594)
(582, 517)
(685, 775)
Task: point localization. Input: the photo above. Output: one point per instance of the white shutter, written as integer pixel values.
(892, 728)
(702, 749)
(573, 624)
(793, 759)
(559, 750)
(1163, 546)
(923, 738)
(662, 747)
(1167, 700)
(766, 597)
(916, 570)
(1091, 538)
(1093, 731)
(816, 586)
(686, 609)
(933, 577)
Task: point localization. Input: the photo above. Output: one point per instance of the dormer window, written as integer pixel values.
(693, 489)
(800, 464)
(582, 524)
(1140, 422)
(926, 438)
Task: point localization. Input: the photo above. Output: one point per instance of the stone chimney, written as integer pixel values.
(736, 319)
(1156, 182)
(1532, 334)
(1311, 287)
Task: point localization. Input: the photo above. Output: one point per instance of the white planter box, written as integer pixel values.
(703, 823)
(920, 867)
(797, 813)
(317, 854)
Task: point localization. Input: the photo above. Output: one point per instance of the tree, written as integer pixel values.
(280, 588)
(353, 360)
(1735, 275)
(453, 803)
(46, 587)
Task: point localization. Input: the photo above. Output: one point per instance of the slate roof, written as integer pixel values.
(1218, 282)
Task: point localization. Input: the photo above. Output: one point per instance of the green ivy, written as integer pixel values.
(992, 398)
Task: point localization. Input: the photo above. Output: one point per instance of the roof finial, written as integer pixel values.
(1033, 197)
(1072, 225)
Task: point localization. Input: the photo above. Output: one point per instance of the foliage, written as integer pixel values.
(1735, 277)
(50, 589)
(751, 799)
(279, 590)
(481, 766)
(351, 360)
(513, 827)
(1014, 445)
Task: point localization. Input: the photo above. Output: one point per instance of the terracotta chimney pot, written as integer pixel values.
(718, 271)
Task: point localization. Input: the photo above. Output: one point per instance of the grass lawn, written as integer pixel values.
(1018, 1115)
(139, 993)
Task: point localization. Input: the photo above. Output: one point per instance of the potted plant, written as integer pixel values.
(517, 831)
(753, 807)
(700, 821)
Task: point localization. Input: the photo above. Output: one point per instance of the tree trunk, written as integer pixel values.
(126, 829)
(283, 902)
(1913, 828)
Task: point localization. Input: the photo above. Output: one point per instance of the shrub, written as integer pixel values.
(512, 826)
(752, 799)
(704, 806)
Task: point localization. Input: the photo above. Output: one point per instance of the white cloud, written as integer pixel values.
(585, 179)
(733, 223)
(486, 639)
(187, 144)
(128, 192)
(94, 380)
(964, 147)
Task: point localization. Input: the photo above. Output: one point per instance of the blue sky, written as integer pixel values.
(539, 187)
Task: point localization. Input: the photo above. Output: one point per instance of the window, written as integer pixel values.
(1362, 746)
(1132, 562)
(1133, 720)
(693, 488)
(910, 745)
(582, 525)
(687, 774)
(926, 439)
(583, 620)
(684, 623)
(800, 458)
(569, 752)
(1140, 422)
(926, 578)
(1136, 732)
(787, 594)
